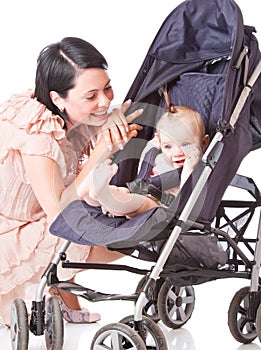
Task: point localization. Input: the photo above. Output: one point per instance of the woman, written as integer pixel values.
(50, 139)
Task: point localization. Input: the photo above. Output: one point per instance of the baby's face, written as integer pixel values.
(179, 144)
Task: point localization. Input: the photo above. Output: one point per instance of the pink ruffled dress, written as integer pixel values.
(27, 247)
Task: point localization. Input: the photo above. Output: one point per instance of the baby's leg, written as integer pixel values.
(96, 182)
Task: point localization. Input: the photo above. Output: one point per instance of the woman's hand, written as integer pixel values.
(117, 131)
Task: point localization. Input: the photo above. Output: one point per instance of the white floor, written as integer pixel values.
(207, 328)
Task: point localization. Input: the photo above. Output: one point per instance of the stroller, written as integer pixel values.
(209, 61)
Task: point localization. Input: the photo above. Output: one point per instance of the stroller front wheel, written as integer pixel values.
(19, 328)
(117, 336)
(155, 338)
(54, 332)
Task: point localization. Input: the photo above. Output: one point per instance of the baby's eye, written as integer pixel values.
(185, 144)
(167, 147)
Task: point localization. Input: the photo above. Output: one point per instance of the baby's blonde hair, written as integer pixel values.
(181, 113)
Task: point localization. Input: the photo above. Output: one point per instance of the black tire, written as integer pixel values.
(19, 328)
(117, 336)
(54, 329)
(258, 322)
(242, 329)
(155, 339)
(175, 304)
(150, 309)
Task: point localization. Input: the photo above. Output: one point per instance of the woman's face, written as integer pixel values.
(89, 100)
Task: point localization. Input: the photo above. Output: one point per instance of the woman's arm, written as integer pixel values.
(47, 183)
(45, 175)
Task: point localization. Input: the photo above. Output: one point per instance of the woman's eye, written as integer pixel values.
(92, 97)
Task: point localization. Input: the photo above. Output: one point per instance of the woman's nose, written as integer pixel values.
(103, 100)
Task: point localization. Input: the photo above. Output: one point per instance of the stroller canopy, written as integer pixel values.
(205, 55)
(201, 36)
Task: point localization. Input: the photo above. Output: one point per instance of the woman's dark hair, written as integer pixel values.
(59, 64)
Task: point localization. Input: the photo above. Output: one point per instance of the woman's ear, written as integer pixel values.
(57, 100)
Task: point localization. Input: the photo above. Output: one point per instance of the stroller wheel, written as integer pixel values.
(155, 338)
(150, 309)
(54, 332)
(241, 327)
(175, 304)
(19, 328)
(117, 336)
(258, 322)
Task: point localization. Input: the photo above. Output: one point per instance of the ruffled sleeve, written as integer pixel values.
(27, 113)
(27, 125)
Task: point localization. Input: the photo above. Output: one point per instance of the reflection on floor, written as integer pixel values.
(206, 329)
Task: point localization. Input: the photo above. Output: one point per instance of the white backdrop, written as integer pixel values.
(121, 30)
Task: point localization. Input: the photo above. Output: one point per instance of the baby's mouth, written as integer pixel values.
(179, 163)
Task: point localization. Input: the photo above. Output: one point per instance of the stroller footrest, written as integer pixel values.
(91, 294)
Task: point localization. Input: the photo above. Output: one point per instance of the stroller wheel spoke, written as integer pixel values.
(181, 314)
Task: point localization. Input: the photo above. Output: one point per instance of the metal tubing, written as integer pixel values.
(56, 260)
(256, 267)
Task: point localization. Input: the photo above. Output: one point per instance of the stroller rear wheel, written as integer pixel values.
(150, 309)
(175, 304)
(54, 332)
(19, 328)
(155, 339)
(241, 327)
(258, 322)
(117, 336)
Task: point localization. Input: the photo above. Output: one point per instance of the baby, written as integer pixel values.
(182, 139)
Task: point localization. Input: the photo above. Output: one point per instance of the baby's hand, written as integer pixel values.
(193, 155)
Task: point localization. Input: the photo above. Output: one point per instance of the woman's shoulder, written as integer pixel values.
(23, 111)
